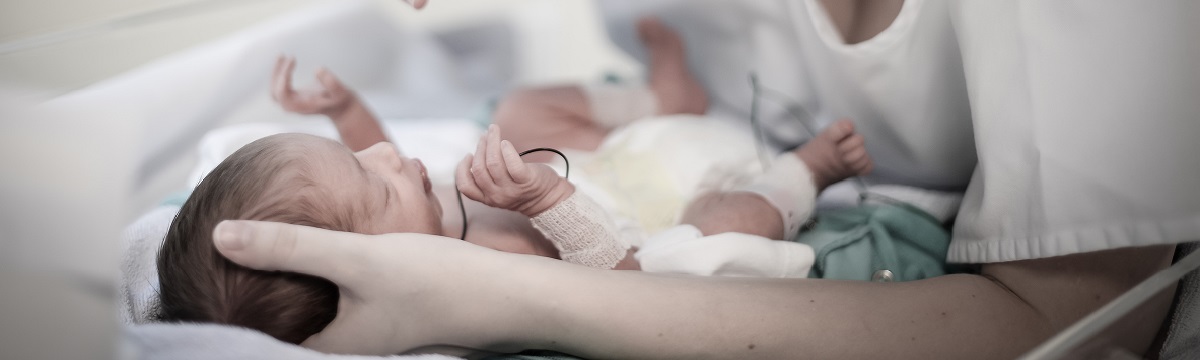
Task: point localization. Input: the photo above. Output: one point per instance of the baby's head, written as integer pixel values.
(290, 178)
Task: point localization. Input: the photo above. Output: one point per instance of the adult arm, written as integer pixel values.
(395, 297)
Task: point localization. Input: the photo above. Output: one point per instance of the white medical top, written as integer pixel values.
(1087, 123)
(903, 88)
(1085, 115)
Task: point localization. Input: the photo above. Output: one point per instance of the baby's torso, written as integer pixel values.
(642, 175)
(645, 173)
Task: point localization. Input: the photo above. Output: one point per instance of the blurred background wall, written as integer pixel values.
(49, 47)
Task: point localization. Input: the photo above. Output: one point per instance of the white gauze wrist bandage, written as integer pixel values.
(615, 105)
(787, 186)
(582, 232)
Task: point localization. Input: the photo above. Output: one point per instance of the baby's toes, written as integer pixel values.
(839, 131)
(851, 143)
(862, 166)
(853, 157)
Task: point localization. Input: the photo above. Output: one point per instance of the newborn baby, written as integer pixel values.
(300, 179)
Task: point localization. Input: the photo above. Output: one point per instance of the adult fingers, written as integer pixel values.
(516, 167)
(465, 181)
(337, 256)
(495, 159)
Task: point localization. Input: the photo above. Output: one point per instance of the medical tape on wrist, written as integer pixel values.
(788, 187)
(615, 105)
(582, 232)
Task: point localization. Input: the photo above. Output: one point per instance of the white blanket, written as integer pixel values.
(209, 341)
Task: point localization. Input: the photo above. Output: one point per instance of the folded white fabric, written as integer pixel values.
(684, 250)
(139, 268)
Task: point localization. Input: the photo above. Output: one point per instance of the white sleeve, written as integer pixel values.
(582, 232)
(1086, 123)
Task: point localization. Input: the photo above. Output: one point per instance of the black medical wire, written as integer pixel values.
(463, 209)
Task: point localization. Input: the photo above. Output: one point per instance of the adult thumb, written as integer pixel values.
(277, 246)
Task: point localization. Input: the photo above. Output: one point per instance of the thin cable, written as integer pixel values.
(463, 209)
(763, 156)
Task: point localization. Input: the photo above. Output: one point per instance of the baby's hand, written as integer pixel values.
(496, 176)
(330, 100)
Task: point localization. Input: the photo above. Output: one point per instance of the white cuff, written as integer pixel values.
(615, 105)
(582, 232)
(788, 187)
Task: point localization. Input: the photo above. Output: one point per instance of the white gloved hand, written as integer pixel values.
(497, 176)
(394, 296)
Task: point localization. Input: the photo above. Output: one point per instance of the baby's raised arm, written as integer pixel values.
(357, 127)
(581, 231)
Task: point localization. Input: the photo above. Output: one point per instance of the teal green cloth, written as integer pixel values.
(855, 243)
(176, 199)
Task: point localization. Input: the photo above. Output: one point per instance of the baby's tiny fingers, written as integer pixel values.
(330, 81)
(516, 167)
(465, 182)
(483, 181)
(280, 79)
(478, 168)
(495, 160)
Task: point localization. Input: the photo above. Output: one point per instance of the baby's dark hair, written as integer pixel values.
(265, 180)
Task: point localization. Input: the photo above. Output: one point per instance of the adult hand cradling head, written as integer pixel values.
(391, 299)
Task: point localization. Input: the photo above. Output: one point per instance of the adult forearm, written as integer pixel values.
(657, 316)
(612, 314)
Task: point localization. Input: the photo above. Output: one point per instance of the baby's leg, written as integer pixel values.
(556, 117)
(579, 118)
(677, 90)
(733, 211)
(778, 202)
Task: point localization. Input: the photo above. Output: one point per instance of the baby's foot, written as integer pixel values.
(835, 154)
(677, 91)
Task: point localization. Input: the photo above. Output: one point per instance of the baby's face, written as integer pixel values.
(392, 190)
